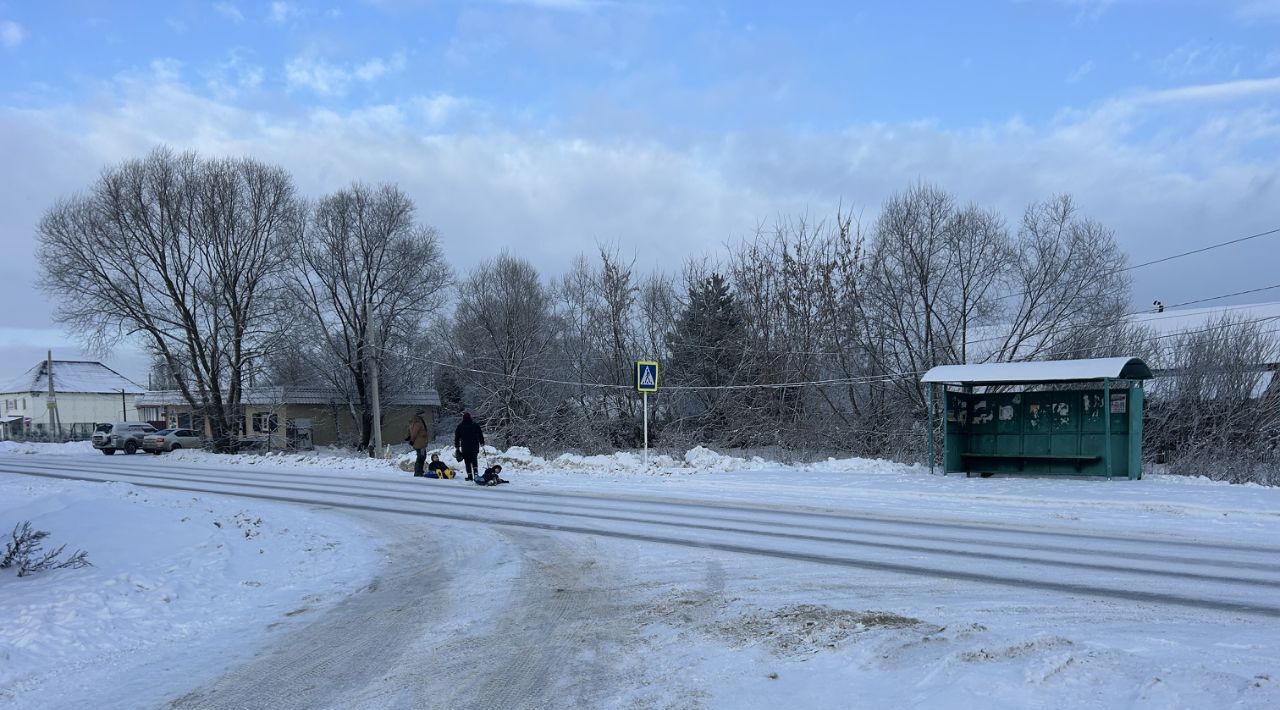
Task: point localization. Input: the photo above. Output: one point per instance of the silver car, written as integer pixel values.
(171, 440)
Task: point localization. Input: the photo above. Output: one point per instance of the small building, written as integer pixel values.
(295, 417)
(86, 393)
(1215, 322)
(1074, 417)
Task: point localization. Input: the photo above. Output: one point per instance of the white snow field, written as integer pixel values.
(708, 582)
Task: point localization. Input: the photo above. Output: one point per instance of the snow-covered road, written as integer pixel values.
(762, 590)
(1241, 577)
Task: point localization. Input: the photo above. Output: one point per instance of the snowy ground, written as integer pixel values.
(703, 582)
(178, 581)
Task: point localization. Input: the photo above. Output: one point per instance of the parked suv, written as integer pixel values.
(170, 440)
(122, 436)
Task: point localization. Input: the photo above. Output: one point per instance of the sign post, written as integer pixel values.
(646, 382)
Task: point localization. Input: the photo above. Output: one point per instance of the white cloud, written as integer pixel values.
(1195, 59)
(166, 70)
(564, 5)
(1243, 10)
(440, 108)
(377, 67)
(1081, 72)
(1258, 10)
(229, 11)
(1222, 91)
(548, 196)
(282, 12)
(330, 79)
(235, 75)
(11, 34)
(1086, 10)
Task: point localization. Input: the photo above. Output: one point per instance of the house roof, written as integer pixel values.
(267, 396)
(985, 340)
(74, 377)
(1181, 320)
(1116, 368)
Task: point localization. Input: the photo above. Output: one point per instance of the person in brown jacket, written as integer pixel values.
(418, 438)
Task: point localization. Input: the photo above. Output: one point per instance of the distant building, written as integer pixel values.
(294, 417)
(86, 393)
(1167, 324)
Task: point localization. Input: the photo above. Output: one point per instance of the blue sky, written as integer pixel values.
(666, 127)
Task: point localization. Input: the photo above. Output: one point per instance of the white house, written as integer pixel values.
(86, 393)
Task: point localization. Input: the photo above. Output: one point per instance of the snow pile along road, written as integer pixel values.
(73, 448)
(699, 460)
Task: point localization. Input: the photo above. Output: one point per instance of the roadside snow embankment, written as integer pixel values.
(71, 448)
(518, 458)
(176, 579)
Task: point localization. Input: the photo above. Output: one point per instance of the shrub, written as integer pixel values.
(24, 550)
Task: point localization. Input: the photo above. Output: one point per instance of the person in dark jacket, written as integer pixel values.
(419, 436)
(437, 468)
(491, 477)
(468, 438)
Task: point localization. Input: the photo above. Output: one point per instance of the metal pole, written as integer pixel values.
(375, 447)
(52, 404)
(124, 411)
(929, 408)
(646, 430)
(1106, 425)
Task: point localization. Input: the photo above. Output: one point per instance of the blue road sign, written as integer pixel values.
(646, 376)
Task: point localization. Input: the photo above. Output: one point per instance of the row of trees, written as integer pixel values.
(227, 275)
(1215, 410)
(808, 336)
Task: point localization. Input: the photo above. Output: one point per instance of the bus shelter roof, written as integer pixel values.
(1047, 371)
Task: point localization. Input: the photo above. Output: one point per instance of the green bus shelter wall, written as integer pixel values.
(1044, 432)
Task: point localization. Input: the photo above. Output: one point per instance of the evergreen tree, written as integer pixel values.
(707, 351)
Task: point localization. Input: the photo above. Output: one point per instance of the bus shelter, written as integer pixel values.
(1060, 417)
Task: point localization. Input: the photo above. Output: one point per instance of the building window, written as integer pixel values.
(264, 423)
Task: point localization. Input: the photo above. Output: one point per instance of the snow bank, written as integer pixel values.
(322, 458)
(73, 448)
(174, 576)
(699, 460)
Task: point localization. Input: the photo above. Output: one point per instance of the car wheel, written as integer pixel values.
(108, 452)
(175, 447)
(130, 447)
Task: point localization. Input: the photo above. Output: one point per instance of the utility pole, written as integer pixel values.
(124, 411)
(375, 442)
(52, 402)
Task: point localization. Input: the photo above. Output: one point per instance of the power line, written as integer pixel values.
(1201, 250)
(1227, 295)
(867, 379)
(1171, 257)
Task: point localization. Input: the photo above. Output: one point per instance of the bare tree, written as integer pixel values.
(186, 253)
(369, 277)
(579, 354)
(919, 271)
(1067, 275)
(1215, 410)
(505, 331)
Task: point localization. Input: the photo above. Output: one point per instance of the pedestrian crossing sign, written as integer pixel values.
(646, 376)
